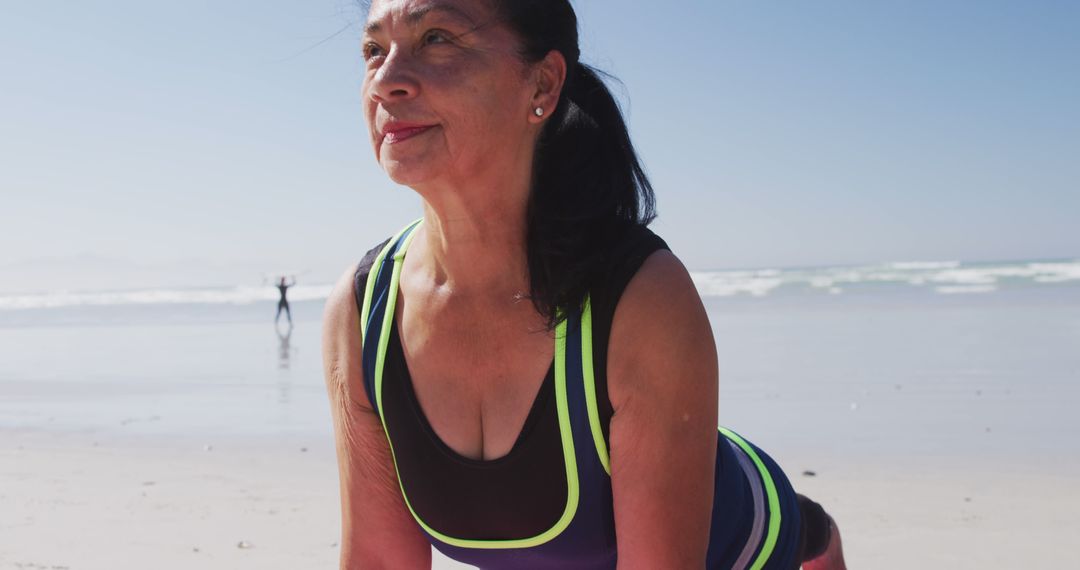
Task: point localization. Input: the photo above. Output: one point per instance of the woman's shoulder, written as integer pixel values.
(661, 343)
(647, 281)
(661, 283)
(637, 255)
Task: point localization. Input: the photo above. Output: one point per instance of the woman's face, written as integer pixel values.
(446, 95)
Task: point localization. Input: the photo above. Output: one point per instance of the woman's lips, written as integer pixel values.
(397, 135)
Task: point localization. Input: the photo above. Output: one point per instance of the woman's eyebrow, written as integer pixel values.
(415, 16)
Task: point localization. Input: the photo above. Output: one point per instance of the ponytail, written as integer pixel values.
(588, 189)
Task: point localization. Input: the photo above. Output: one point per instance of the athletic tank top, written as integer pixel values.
(548, 502)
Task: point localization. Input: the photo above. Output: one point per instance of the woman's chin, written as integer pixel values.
(405, 176)
(409, 167)
(407, 172)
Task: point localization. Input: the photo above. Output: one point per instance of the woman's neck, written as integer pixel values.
(473, 241)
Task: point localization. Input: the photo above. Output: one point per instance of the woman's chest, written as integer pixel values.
(475, 379)
(546, 502)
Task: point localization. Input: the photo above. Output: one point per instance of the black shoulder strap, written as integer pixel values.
(363, 273)
(373, 299)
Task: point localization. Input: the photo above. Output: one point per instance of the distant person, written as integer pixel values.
(283, 303)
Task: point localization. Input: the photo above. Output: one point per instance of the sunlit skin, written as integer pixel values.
(450, 108)
(453, 67)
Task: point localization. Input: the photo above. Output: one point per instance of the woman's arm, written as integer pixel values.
(377, 529)
(662, 381)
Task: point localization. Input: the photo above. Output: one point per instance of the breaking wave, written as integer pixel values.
(941, 277)
(944, 277)
(210, 296)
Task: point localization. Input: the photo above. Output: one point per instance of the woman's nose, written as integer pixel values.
(395, 79)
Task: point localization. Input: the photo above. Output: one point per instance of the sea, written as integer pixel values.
(943, 361)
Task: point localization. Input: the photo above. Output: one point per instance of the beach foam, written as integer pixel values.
(947, 277)
(943, 277)
(209, 296)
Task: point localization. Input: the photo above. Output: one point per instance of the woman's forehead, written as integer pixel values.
(412, 12)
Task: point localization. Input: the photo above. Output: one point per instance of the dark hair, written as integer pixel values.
(589, 187)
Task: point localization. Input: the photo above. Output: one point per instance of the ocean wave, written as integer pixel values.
(215, 296)
(965, 289)
(725, 285)
(946, 277)
(917, 265)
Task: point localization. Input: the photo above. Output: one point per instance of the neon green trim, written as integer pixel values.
(400, 255)
(369, 288)
(590, 386)
(384, 337)
(770, 492)
(572, 490)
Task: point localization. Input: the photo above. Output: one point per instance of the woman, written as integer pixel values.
(526, 378)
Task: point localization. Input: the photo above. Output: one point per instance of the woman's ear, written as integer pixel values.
(549, 76)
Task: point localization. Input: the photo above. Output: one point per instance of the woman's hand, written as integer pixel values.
(377, 529)
(662, 381)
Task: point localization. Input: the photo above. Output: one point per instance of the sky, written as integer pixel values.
(147, 143)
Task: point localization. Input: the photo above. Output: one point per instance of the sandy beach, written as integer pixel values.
(939, 434)
(77, 503)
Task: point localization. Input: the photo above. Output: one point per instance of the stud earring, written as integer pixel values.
(539, 111)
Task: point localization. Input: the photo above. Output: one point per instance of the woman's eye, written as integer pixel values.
(435, 37)
(372, 50)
